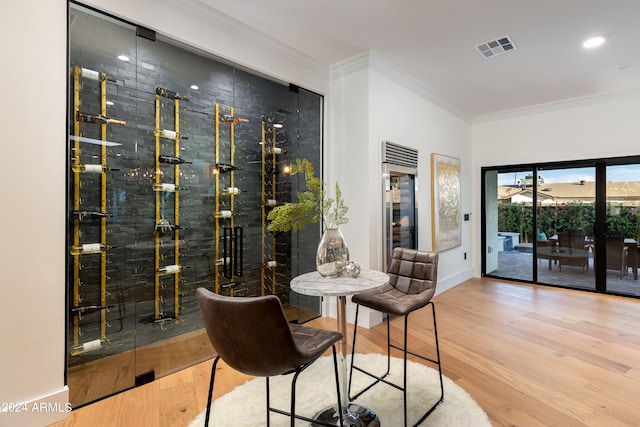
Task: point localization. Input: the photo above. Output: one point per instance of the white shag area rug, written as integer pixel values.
(244, 406)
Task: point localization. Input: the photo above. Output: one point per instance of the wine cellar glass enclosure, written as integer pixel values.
(175, 159)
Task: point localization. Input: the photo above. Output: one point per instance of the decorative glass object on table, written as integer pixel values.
(333, 254)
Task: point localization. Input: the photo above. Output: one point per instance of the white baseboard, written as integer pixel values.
(38, 412)
(447, 283)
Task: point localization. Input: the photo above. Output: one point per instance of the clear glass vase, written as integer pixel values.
(333, 254)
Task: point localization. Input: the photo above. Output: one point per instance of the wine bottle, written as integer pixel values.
(167, 188)
(92, 168)
(231, 190)
(164, 225)
(98, 119)
(228, 118)
(91, 74)
(273, 150)
(270, 202)
(170, 269)
(171, 134)
(85, 309)
(171, 160)
(270, 264)
(90, 214)
(230, 285)
(223, 214)
(224, 167)
(90, 248)
(170, 94)
(88, 346)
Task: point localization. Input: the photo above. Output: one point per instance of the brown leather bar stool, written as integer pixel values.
(252, 336)
(412, 283)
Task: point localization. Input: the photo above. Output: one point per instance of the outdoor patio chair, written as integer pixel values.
(617, 254)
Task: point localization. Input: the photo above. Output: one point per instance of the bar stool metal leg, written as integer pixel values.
(405, 352)
(210, 397)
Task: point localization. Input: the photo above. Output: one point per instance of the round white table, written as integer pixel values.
(341, 287)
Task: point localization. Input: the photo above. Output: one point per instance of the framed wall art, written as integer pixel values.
(445, 203)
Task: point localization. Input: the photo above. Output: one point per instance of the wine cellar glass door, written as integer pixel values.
(97, 301)
(174, 162)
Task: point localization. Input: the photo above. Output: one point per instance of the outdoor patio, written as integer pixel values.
(515, 264)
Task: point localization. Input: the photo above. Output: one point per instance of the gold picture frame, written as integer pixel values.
(445, 203)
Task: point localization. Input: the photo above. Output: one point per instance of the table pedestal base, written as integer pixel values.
(352, 416)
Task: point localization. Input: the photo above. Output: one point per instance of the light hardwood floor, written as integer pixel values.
(529, 355)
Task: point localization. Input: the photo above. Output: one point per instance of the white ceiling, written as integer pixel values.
(434, 41)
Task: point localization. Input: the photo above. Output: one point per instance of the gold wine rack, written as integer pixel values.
(269, 153)
(85, 301)
(167, 186)
(229, 251)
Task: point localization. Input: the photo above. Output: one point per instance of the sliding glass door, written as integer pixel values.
(622, 228)
(508, 225)
(570, 224)
(565, 207)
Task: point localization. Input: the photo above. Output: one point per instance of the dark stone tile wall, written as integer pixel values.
(94, 43)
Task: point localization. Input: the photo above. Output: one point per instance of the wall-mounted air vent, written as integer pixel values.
(496, 47)
(399, 155)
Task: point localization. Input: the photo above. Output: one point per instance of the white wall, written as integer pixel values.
(368, 103)
(395, 113)
(607, 127)
(348, 159)
(401, 116)
(32, 254)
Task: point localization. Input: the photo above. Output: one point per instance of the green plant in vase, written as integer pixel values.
(313, 206)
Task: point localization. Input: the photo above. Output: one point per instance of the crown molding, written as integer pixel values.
(240, 31)
(564, 104)
(269, 47)
(349, 65)
(370, 59)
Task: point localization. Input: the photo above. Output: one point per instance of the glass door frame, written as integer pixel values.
(485, 242)
(600, 226)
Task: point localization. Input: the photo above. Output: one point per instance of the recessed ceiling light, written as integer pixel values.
(593, 42)
(195, 87)
(124, 58)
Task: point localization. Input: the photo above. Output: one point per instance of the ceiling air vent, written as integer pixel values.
(399, 155)
(496, 47)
